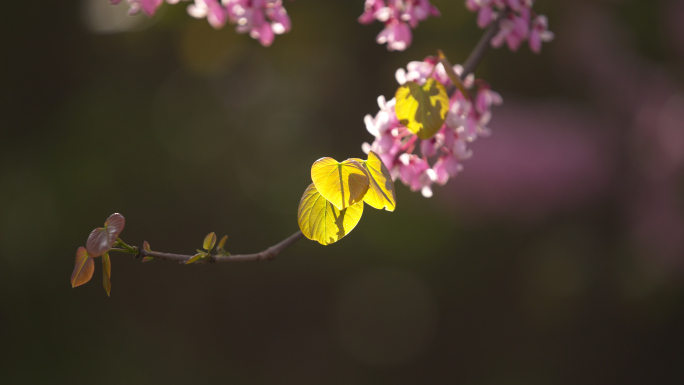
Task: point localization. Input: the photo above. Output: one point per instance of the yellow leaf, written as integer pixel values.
(84, 268)
(342, 184)
(422, 109)
(321, 221)
(381, 187)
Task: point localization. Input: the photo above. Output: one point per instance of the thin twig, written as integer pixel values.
(480, 49)
(265, 255)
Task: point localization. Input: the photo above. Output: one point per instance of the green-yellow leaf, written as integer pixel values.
(342, 184)
(195, 258)
(106, 273)
(422, 109)
(84, 268)
(222, 242)
(321, 221)
(209, 241)
(220, 247)
(381, 190)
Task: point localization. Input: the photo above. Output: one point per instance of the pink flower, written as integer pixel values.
(420, 71)
(396, 34)
(263, 19)
(211, 9)
(370, 9)
(446, 166)
(539, 33)
(416, 173)
(399, 17)
(513, 30)
(388, 133)
(516, 24)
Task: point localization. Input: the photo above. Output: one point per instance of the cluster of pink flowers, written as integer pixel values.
(399, 17)
(147, 6)
(263, 19)
(518, 22)
(440, 156)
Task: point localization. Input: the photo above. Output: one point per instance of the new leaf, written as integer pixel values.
(84, 268)
(102, 238)
(343, 184)
(209, 241)
(321, 221)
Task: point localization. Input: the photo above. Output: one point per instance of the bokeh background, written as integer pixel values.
(556, 257)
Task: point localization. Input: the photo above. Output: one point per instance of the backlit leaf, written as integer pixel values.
(321, 221)
(106, 273)
(342, 183)
(381, 192)
(102, 238)
(422, 109)
(209, 241)
(84, 268)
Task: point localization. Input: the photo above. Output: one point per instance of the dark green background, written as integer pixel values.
(540, 264)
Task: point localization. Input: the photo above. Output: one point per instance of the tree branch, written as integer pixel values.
(480, 49)
(270, 253)
(265, 255)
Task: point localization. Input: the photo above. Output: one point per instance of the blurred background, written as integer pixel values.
(556, 257)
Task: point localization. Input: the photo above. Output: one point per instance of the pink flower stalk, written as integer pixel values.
(441, 155)
(517, 22)
(399, 17)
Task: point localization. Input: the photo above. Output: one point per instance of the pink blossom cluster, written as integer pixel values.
(517, 22)
(263, 19)
(399, 17)
(440, 156)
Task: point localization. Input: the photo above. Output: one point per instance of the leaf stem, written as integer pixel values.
(126, 248)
